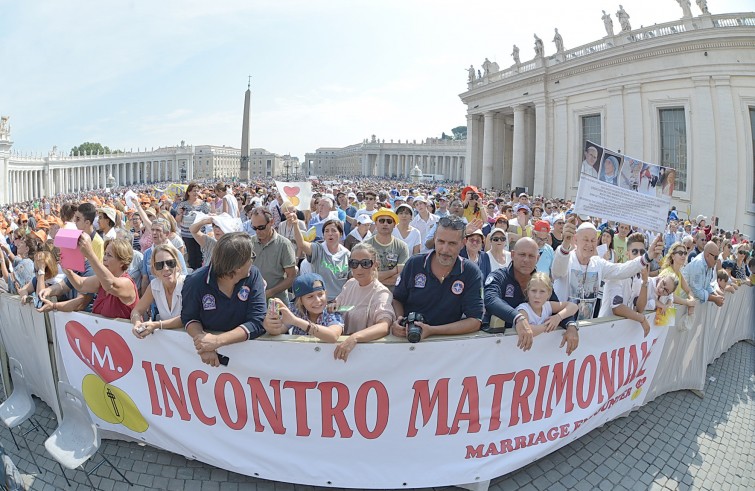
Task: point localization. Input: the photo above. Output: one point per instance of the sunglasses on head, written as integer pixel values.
(170, 263)
(454, 223)
(364, 263)
(385, 220)
(638, 252)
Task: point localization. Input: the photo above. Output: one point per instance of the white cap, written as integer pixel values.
(587, 226)
(364, 219)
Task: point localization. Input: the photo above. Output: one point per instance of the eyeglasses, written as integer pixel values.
(454, 223)
(364, 263)
(170, 263)
(680, 252)
(385, 220)
(498, 239)
(638, 252)
(259, 227)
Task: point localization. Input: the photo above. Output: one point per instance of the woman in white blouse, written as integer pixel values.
(164, 290)
(499, 256)
(406, 232)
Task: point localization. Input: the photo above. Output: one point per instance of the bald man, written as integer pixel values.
(700, 274)
(578, 271)
(504, 291)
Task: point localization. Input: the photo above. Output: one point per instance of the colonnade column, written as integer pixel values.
(519, 147)
(561, 180)
(542, 177)
(487, 151)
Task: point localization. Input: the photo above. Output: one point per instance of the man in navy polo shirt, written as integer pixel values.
(445, 288)
(227, 296)
(504, 291)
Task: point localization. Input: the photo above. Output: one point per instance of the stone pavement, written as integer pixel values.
(678, 441)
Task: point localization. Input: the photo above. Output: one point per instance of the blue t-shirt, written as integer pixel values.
(204, 302)
(458, 297)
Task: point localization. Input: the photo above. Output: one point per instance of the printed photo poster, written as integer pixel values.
(298, 194)
(591, 159)
(620, 188)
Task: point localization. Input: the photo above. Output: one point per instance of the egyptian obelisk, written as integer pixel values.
(245, 128)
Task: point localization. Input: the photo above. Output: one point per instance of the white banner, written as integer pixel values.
(298, 193)
(599, 199)
(475, 407)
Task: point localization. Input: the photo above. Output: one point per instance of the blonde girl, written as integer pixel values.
(543, 314)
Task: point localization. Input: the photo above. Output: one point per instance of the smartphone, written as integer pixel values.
(223, 360)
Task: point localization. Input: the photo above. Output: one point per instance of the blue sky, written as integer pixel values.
(136, 74)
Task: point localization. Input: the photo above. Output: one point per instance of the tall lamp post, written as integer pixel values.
(287, 164)
(296, 170)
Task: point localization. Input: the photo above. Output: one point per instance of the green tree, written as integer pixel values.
(92, 149)
(460, 133)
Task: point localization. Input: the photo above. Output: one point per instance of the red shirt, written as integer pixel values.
(110, 306)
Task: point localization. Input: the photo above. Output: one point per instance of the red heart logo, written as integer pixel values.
(106, 353)
(291, 190)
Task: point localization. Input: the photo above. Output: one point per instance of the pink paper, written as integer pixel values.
(70, 255)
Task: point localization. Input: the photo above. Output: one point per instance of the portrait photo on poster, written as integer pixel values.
(592, 153)
(629, 176)
(649, 179)
(609, 167)
(666, 179)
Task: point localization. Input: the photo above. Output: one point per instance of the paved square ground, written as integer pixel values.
(678, 441)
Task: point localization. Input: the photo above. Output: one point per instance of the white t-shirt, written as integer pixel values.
(233, 205)
(414, 238)
(532, 317)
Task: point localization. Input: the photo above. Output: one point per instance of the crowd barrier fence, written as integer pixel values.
(285, 410)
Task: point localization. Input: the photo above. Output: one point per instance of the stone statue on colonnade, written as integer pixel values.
(686, 8)
(515, 55)
(623, 17)
(470, 73)
(4, 127)
(486, 67)
(559, 42)
(539, 50)
(703, 4)
(608, 23)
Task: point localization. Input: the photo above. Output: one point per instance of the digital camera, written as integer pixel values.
(413, 331)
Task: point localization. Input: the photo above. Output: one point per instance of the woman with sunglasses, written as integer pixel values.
(673, 262)
(497, 254)
(116, 291)
(501, 222)
(741, 271)
(308, 315)
(164, 290)
(368, 302)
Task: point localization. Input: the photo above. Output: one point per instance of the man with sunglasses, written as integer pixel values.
(700, 274)
(370, 207)
(440, 285)
(392, 252)
(627, 297)
(700, 240)
(275, 254)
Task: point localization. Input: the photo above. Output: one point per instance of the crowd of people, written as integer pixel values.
(366, 258)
